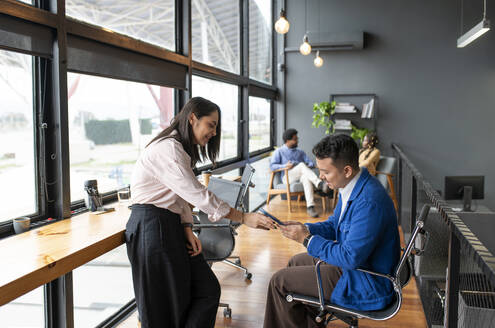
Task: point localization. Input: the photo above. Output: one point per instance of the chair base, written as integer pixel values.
(342, 313)
(227, 312)
(327, 314)
(237, 264)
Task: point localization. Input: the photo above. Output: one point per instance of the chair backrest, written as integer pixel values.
(402, 274)
(404, 271)
(247, 175)
(386, 165)
(219, 242)
(228, 191)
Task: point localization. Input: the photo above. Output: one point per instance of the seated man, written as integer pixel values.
(362, 233)
(298, 163)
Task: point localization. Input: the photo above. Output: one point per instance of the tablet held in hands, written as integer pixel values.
(262, 211)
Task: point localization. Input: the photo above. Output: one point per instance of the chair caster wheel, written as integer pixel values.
(248, 275)
(227, 313)
(237, 261)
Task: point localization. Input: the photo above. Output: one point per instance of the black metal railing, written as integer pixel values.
(456, 274)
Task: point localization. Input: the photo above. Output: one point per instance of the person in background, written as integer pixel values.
(369, 155)
(173, 284)
(299, 164)
(361, 233)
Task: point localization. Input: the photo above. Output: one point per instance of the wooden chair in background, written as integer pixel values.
(277, 187)
(384, 173)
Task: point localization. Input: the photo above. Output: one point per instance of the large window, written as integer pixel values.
(260, 40)
(215, 33)
(148, 20)
(17, 148)
(259, 123)
(110, 122)
(102, 287)
(226, 97)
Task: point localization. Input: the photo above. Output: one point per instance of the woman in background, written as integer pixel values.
(369, 155)
(173, 284)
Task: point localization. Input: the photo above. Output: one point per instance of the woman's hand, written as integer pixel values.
(259, 221)
(193, 244)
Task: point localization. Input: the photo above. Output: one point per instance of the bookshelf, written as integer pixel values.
(356, 99)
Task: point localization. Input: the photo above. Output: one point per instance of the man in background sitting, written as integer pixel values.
(299, 164)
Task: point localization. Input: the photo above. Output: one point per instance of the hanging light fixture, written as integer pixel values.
(282, 24)
(318, 61)
(474, 33)
(305, 47)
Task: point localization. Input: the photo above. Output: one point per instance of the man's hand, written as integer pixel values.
(289, 165)
(294, 230)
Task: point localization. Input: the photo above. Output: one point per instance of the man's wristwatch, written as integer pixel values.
(306, 240)
(187, 224)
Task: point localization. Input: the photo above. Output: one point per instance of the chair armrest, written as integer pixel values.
(389, 174)
(212, 225)
(377, 274)
(320, 287)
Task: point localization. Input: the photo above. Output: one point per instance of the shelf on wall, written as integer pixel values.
(357, 99)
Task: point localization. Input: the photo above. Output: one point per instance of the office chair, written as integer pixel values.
(218, 238)
(246, 177)
(401, 276)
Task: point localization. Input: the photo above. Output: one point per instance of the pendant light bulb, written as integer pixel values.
(305, 47)
(282, 24)
(318, 61)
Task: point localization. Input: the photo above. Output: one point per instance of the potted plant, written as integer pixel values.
(322, 115)
(358, 134)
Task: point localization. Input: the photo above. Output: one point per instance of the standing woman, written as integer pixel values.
(173, 284)
(369, 155)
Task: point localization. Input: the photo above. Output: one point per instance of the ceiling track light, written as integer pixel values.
(474, 33)
(282, 24)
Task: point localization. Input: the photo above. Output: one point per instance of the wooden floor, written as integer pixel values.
(265, 252)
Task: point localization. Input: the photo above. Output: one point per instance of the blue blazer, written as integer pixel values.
(367, 237)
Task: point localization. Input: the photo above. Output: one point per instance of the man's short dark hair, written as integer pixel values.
(341, 148)
(289, 134)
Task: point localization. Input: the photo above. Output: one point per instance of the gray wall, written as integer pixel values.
(436, 101)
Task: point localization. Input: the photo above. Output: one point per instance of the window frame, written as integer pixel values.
(6, 227)
(50, 87)
(272, 127)
(231, 160)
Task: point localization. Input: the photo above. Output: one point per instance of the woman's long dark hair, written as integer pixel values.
(372, 142)
(199, 107)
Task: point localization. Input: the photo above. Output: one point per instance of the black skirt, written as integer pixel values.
(172, 289)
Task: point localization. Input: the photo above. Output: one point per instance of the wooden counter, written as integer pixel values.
(36, 257)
